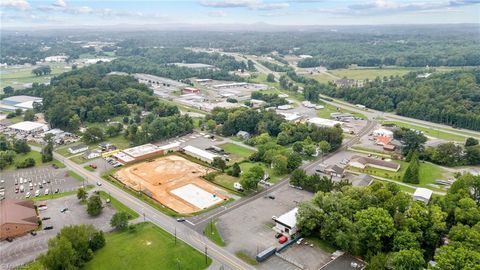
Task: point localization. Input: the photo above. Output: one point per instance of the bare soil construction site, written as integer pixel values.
(174, 182)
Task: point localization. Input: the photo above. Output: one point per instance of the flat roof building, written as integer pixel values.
(199, 153)
(422, 194)
(29, 126)
(287, 223)
(19, 102)
(142, 150)
(17, 217)
(323, 122)
(75, 149)
(363, 162)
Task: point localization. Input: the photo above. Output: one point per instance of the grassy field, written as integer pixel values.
(54, 196)
(370, 73)
(148, 247)
(120, 207)
(18, 76)
(237, 152)
(428, 174)
(75, 176)
(211, 232)
(325, 112)
(37, 156)
(226, 181)
(432, 132)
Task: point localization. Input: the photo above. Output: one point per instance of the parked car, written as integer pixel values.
(181, 219)
(37, 193)
(45, 218)
(278, 235)
(47, 191)
(28, 195)
(271, 197)
(57, 190)
(299, 241)
(282, 239)
(63, 210)
(48, 228)
(93, 166)
(33, 233)
(99, 184)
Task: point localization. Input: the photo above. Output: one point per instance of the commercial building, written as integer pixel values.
(422, 195)
(143, 151)
(17, 217)
(29, 127)
(364, 162)
(92, 154)
(322, 122)
(291, 116)
(287, 223)
(75, 149)
(230, 85)
(19, 102)
(382, 132)
(191, 90)
(199, 153)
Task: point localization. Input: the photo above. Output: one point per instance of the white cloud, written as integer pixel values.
(16, 4)
(60, 3)
(84, 10)
(250, 4)
(217, 13)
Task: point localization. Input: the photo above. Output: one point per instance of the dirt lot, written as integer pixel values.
(160, 177)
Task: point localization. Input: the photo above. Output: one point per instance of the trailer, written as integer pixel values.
(262, 256)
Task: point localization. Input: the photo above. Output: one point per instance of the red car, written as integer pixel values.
(282, 239)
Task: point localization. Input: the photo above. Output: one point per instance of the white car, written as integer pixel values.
(37, 193)
(47, 191)
(28, 195)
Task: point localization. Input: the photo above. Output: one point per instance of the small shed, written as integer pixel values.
(422, 194)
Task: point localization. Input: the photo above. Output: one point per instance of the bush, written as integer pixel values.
(27, 163)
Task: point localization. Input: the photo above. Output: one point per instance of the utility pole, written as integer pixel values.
(176, 236)
(206, 258)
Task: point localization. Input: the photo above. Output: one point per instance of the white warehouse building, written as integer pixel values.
(199, 153)
(383, 132)
(323, 122)
(287, 223)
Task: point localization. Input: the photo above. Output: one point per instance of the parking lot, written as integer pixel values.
(38, 178)
(28, 247)
(249, 229)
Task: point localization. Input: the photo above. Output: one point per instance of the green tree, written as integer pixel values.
(27, 163)
(93, 135)
(250, 179)
(94, 205)
(270, 78)
(219, 163)
(309, 149)
(405, 240)
(373, 225)
(409, 259)
(471, 142)
(280, 163)
(74, 123)
(119, 221)
(97, 241)
(294, 161)
(236, 170)
(29, 115)
(18, 112)
(298, 177)
(47, 151)
(8, 90)
(412, 173)
(60, 255)
(457, 257)
(21, 146)
(210, 124)
(297, 147)
(82, 194)
(413, 141)
(325, 147)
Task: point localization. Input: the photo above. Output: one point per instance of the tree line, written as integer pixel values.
(390, 230)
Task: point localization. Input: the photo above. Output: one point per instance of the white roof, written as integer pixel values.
(289, 218)
(423, 193)
(200, 152)
(141, 150)
(383, 131)
(323, 122)
(25, 105)
(290, 116)
(123, 157)
(20, 99)
(28, 126)
(169, 146)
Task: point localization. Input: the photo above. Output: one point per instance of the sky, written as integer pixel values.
(77, 13)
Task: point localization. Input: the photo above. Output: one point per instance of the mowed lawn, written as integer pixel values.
(37, 156)
(237, 150)
(370, 73)
(273, 178)
(148, 247)
(18, 76)
(431, 132)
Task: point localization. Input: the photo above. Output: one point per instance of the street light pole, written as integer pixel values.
(206, 258)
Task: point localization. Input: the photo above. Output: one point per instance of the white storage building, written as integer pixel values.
(323, 122)
(422, 194)
(383, 132)
(199, 153)
(29, 126)
(287, 223)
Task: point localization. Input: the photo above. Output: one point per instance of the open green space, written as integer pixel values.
(370, 73)
(88, 168)
(244, 257)
(16, 76)
(237, 152)
(226, 181)
(325, 112)
(429, 131)
(146, 247)
(428, 174)
(322, 77)
(79, 159)
(120, 207)
(75, 176)
(37, 156)
(212, 233)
